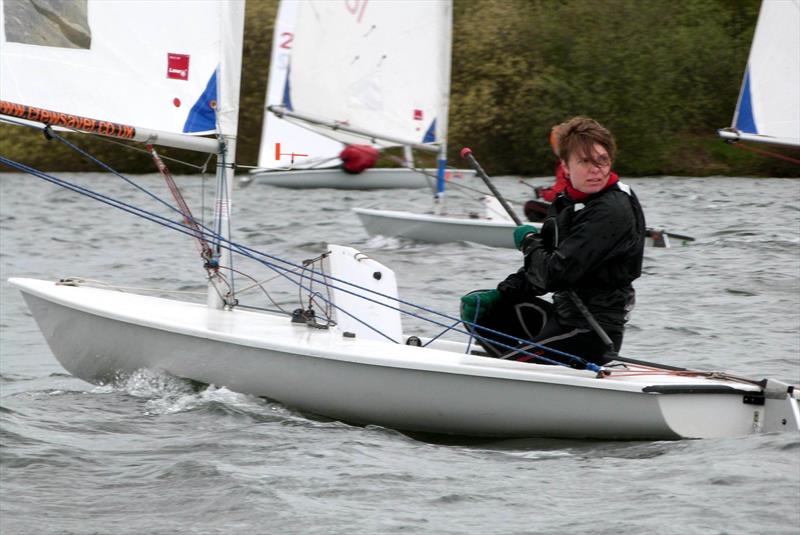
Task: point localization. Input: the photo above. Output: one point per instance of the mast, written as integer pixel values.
(220, 294)
(444, 109)
(227, 111)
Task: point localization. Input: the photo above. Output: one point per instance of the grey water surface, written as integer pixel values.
(153, 455)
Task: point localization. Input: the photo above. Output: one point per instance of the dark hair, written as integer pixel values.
(579, 135)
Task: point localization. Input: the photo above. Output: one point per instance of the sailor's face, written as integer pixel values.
(589, 173)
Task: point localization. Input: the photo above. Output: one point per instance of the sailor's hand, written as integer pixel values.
(522, 232)
(475, 304)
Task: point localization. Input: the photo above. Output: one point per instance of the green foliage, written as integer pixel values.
(662, 75)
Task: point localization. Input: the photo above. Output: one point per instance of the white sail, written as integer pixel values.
(155, 65)
(768, 109)
(381, 67)
(284, 144)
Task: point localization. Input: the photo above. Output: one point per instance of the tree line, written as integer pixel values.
(662, 75)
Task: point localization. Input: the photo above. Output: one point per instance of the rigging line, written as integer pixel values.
(311, 163)
(186, 212)
(261, 283)
(102, 198)
(428, 176)
(574, 358)
(327, 309)
(232, 246)
(764, 152)
(110, 169)
(132, 148)
(452, 327)
(49, 131)
(258, 285)
(264, 309)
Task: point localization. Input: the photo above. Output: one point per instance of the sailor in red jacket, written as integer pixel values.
(358, 158)
(549, 194)
(536, 210)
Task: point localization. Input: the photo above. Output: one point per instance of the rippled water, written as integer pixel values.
(153, 455)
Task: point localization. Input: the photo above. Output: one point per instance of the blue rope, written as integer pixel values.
(111, 170)
(253, 254)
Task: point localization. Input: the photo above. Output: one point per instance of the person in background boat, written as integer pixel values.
(358, 158)
(537, 210)
(592, 243)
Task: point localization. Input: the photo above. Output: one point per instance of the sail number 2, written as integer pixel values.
(356, 8)
(286, 40)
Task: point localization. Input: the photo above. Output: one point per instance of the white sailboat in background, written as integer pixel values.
(492, 226)
(768, 109)
(279, 136)
(355, 73)
(351, 360)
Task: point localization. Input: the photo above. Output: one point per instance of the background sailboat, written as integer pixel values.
(768, 109)
(355, 73)
(491, 226)
(285, 144)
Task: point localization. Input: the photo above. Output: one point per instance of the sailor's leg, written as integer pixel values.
(517, 321)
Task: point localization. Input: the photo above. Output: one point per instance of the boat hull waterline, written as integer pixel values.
(417, 389)
(376, 178)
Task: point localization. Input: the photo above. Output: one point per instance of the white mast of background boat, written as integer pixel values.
(768, 108)
(192, 74)
(358, 73)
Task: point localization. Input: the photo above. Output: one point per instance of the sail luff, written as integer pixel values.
(303, 147)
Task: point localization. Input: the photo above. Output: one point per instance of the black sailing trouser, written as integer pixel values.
(536, 321)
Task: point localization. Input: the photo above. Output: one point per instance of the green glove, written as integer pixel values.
(520, 232)
(475, 304)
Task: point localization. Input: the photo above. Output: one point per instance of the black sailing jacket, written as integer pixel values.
(594, 247)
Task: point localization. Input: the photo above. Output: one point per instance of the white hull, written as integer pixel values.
(99, 335)
(446, 229)
(375, 178)
(437, 228)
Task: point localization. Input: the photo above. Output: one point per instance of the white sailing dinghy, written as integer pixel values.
(356, 73)
(768, 108)
(351, 360)
(493, 228)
